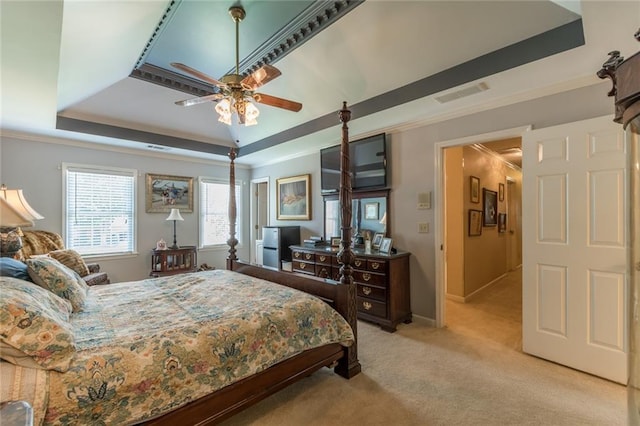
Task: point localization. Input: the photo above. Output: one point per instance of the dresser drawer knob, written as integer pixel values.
(303, 265)
(367, 305)
(366, 276)
(307, 256)
(323, 258)
(296, 254)
(357, 262)
(366, 290)
(375, 265)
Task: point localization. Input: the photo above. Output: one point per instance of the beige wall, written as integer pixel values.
(486, 255)
(454, 220)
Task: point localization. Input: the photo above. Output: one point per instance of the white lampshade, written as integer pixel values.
(15, 198)
(251, 114)
(175, 215)
(10, 217)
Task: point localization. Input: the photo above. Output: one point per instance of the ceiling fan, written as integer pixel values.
(235, 91)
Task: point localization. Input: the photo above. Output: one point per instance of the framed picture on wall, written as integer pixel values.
(489, 207)
(164, 192)
(294, 198)
(501, 191)
(475, 189)
(371, 211)
(502, 222)
(475, 222)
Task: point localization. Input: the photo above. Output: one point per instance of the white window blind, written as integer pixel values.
(214, 212)
(99, 210)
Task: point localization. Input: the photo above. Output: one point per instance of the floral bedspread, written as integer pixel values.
(147, 347)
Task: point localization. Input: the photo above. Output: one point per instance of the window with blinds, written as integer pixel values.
(99, 210)
(214, 212)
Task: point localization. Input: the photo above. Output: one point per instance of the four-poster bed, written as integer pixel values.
(341, 296)
(191, 348)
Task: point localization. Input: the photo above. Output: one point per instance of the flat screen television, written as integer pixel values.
(368, 158)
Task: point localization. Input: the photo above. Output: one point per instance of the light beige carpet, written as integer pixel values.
(470, 373)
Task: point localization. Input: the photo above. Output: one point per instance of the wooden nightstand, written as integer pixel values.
(173, 261)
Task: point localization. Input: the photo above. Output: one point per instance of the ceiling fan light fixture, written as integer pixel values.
(223, 108)
(251, 114)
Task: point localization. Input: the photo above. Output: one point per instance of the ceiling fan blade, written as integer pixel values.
(201, 99)
(197, 74)
(277, 102)
(261, 76)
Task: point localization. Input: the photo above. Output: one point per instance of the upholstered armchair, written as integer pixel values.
(51, 243)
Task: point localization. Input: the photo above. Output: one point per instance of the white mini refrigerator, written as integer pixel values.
(275, 244)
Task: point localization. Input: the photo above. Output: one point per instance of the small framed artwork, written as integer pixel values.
(294, 198)
(371, 211)
(502, 222)
(475, 189)
(164, 192)
(475, 222)
(501, 192)
(377, 240)
(489, 207)
(385, 245)
(335, 242)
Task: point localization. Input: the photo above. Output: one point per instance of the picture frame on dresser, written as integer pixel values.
(385, 245)
(377, 240)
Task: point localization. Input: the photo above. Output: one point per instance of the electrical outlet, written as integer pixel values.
(423, 227)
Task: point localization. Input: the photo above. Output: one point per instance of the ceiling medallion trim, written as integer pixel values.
(310, 22)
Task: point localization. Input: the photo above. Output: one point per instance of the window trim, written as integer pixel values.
(239, 193)
(90, 168)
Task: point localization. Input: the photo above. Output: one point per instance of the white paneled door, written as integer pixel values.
(575, 254)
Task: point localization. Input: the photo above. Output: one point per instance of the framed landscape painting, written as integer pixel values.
(294, 198)
(165, 192)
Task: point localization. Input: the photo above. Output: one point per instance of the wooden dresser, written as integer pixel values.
(382, 281)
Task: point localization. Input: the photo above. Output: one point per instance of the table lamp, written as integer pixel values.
(174, 216)
(15, 212)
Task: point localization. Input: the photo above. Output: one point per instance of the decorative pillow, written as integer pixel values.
(52, 275)
(71, 259)
(36, 322)
(10, 267)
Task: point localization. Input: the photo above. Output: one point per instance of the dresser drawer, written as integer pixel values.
(324, 259)
(364, 277)
(359, 263)
(372, 292)
(323, 271)
(372, 307)
(377, 266)
(304, 267)
(303, 255)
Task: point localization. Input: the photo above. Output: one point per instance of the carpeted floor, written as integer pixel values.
(472, 372)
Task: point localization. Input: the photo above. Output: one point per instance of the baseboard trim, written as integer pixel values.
(475, 294)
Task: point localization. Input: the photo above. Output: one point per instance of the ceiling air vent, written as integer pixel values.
(158, 148)
(467, 91)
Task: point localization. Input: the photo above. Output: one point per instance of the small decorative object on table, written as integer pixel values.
(161, 245)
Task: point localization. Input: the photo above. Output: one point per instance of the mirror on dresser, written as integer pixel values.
(369, 214)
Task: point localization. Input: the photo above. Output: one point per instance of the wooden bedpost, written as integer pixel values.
(348, 366)
(232, 241)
